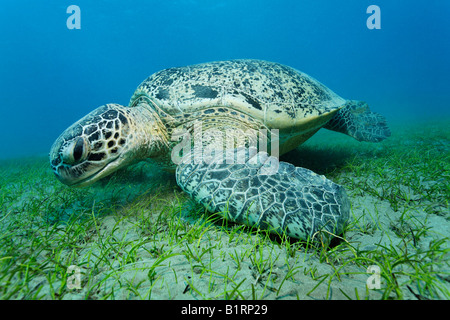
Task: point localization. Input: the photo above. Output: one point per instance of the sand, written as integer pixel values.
(137, 236)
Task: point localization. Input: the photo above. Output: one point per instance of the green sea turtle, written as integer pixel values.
(208, 122)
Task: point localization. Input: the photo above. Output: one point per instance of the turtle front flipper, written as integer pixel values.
(258, 190)
(356, 120)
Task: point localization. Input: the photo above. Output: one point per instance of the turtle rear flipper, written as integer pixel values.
(263, 192)
(356, 120)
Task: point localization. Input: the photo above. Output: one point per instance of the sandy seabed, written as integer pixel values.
(135, 235)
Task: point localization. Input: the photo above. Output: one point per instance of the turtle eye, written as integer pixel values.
(75, 152)
(78, 149)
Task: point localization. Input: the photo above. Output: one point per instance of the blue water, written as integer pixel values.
(51, 76)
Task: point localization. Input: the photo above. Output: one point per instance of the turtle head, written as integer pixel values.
(97, 145)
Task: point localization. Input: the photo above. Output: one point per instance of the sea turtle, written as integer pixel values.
(209, 122)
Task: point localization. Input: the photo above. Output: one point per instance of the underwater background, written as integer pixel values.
(136, 235)
(50, 76)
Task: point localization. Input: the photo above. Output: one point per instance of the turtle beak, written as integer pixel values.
(63, 174)
(92, 148)
(68, 160)
(75, 174)
(64, 157)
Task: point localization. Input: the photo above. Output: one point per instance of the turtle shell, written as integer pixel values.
(276, 95)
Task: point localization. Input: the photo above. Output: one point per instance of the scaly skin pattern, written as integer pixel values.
(108, 138)
(356, 120)
(287, 199)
